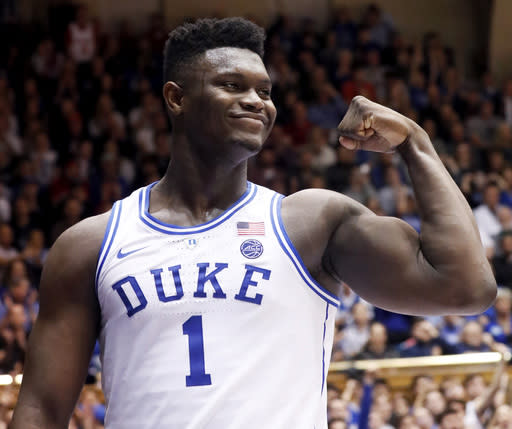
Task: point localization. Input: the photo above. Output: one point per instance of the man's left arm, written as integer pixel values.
(441, 270)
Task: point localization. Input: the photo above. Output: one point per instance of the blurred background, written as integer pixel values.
(82, 124)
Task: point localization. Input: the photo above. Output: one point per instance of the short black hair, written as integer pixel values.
(192, 39)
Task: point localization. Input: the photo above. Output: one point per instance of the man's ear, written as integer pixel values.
(173, 96)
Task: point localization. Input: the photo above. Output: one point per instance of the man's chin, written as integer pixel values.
(251, 145)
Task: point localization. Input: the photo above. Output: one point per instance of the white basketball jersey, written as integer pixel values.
(217, 325)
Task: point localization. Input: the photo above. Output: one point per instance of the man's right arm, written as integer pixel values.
(65, 332)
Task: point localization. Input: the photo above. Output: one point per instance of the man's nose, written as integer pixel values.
(252, 101)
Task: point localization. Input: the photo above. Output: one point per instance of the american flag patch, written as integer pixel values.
(250, 228)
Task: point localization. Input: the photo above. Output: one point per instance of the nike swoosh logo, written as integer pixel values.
(121, 255)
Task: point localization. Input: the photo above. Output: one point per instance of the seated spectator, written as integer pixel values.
(397, 325)
(356, 334)
(13, 340)
(450, 329)
(16, 270)
(338, 174)
(451, 419)
(406, 210)
(35, 252)
(377, 346)
(71, 214)
(359, 187)
(323, 155)
(501, 327)
(435, 402)
(486, 216)
(20, 293)
(328, 108)
(502, 260)
(473, 339)
(357, 85)
(7, 250)
(423, 417)
(482, 128)
(300, 126)
(393, 191)
(424, 341)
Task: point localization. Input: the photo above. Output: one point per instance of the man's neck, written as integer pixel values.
(201, 187)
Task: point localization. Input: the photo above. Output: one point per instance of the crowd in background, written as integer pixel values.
(82, 124)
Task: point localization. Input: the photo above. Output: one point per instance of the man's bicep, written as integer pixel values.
(64, 334)
(380, 259)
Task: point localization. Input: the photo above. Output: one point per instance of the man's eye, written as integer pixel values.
(231, 85)
(264, 92)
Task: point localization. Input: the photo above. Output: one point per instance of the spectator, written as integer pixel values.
(324, 156)
(482, 128)
(328, 107)
(359, 187)
(501, 327)
(473, 339)
(34, 253)
(393, 192)
(451, 419)
(71, 214)
(356, 334)
(486, 216)
(7, 251)
(377, 346)
(502, 261)
(424, 341)
(300, 126)
(81, 37)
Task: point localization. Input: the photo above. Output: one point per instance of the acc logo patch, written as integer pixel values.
(251, 249)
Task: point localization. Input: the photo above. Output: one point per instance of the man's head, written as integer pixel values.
(435, 402)
(475, 386)
(451, 419)
(6, 235)
(491, 195)
(503, 301)
(472, 334)
(378, 336)
(216, 86)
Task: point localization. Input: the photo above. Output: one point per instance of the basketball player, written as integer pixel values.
(214, 298)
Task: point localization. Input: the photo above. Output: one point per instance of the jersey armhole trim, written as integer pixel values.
(108, 239)
(291, 252)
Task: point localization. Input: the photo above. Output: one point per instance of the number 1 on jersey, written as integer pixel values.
(193, 328)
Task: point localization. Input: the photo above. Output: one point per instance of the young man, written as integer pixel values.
(214, 298)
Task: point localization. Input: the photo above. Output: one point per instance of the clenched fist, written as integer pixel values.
(371, 126)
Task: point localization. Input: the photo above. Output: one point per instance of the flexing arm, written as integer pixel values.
(64, 334)
(443, 270)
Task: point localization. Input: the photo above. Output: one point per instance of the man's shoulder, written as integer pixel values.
(84, 238)
(321, 201)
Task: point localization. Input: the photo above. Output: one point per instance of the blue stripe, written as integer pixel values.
(323, 348)
(117, 204)
(310, 281)
(145, 217)
(105, 238)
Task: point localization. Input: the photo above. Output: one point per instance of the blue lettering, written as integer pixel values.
(157, 274)
(130, 308)
(249, 271)
(203, 278)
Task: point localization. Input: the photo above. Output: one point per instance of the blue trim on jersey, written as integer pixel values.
(294, 256)
(323, 348)
(116, 212)
(166, 228)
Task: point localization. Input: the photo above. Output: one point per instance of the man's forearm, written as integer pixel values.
(449, 239)
(31, 417)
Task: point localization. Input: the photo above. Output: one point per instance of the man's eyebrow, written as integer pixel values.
(239, 75)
